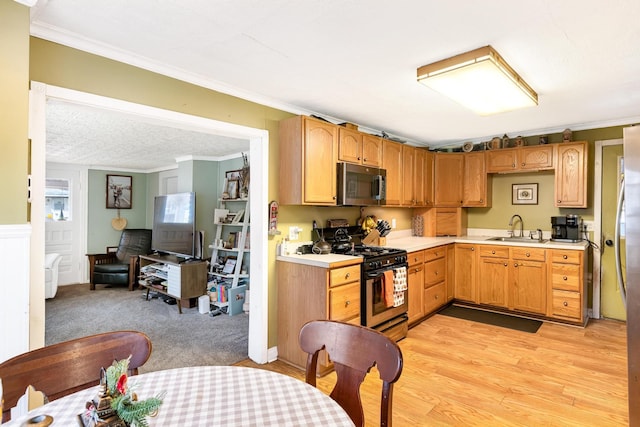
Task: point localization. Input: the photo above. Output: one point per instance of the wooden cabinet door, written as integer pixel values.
(428, 179)
(349, 146)
(419, 168)
(465, 272)
(415, 280)
(392, 162)
(371, 150)
(571, 175)
(320, 170)
(538, 157)
(476, 187)
(448, 171)
(408, 160)
(529, 286)
(503, 160)
(493, 281)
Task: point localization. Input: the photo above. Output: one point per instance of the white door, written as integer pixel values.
(65, 221)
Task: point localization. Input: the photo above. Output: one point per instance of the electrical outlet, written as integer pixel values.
(589, 225)
(294, 232)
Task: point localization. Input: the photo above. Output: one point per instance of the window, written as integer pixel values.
(57, 206)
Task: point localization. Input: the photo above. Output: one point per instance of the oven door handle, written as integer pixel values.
(379, 273)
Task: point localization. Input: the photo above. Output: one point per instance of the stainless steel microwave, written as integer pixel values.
(361, 185)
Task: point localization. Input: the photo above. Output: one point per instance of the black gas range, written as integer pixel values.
(379, 264)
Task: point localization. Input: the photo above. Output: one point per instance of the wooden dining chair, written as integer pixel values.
(64, 368)
(354, 350)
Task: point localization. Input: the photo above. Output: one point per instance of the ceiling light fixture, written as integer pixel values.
(479, 80)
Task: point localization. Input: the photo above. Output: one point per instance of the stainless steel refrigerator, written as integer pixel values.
(632, 227)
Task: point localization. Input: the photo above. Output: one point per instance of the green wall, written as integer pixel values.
(100, 233)
(14, 110)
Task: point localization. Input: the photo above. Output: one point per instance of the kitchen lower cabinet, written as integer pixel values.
(451, 271)
(493, 275)
(415, 283)
(435, 278)
(307, 292)
(528, 280)
(465, 272)
(567, 294)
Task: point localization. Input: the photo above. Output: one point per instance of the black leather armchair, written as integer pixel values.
(122, 266)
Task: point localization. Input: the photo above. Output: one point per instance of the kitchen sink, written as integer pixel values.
(517, 239)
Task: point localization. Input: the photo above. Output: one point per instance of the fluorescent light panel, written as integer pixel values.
(479, 80)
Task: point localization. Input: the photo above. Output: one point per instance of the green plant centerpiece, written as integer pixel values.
(116, 404)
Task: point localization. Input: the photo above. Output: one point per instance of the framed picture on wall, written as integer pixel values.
(119, 191)
(524, 194)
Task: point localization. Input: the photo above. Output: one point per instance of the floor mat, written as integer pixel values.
(496, 319)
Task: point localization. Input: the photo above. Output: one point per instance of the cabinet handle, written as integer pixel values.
(564, 257)
(565, 303)
(435, 273)
(559, 201)
(523, 164)
(493, 252)
(473, 249)
(359, 158)
(481, 200)
(564, 278)
(365, 159)
(506, 264)
(346, 276)
(347, 303)
(515, 264)
(513, 165)
(334, 197)
(528, 254)
(436, 297)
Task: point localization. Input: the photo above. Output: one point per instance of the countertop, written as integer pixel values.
(413, 243)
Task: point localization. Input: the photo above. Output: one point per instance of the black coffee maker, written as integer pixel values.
(566, 228)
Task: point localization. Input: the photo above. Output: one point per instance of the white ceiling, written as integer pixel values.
(356, 61)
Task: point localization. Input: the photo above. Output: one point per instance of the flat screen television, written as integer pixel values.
(174, 224)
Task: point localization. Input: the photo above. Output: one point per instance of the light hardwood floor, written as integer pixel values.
(458, 372)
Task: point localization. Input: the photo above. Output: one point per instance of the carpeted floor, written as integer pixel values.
(188, 339)
(490, 318)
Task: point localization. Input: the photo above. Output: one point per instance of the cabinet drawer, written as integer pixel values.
(435, 271)
(340, 276)
(531, 254)
(566, 257)
(493, 251)
(344, 302)
(416, 257)
(566, 304)
(434, 297)
(435, 253)
(565, 276)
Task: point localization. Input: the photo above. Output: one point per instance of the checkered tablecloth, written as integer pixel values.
(216, 396)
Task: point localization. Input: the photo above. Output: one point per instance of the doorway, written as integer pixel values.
(607, 300)
(259, 153)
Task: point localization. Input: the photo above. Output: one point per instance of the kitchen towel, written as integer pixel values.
(388, 288)
(399, 285)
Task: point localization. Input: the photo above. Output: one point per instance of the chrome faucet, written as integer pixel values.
(521, 225)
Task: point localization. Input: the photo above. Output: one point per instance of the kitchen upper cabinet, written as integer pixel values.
(465, 272)
(428, 179)
(448, 179)
(528, 280)
(419, 182)
(349, 145)
(477, 184)
(408, 169)
(571, 175)
(520, 159)
(308, 161)
(359, 148)
(371, 150)
(392, 162)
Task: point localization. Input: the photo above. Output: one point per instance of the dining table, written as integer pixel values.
(211, 396)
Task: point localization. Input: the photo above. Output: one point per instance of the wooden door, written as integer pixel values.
(320, 147)
(504, 160)
(408, 159)
(571, 175)
(392, 162)
(448, 179)
(371, 150)
(528, 286)
(465, 272)
(493, 281)
(349, 145)
(537, 157)
(415, 280)
(428, 179)
(476, 187)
